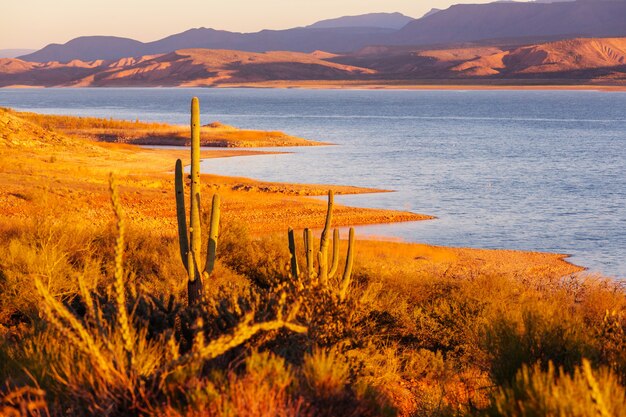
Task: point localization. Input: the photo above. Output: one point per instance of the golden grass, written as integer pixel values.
(585, 393)
(161, 134)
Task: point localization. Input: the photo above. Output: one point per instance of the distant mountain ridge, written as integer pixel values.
(295, 40)
(506, 20)
(378, 20)
(575, 61)
(463, 23)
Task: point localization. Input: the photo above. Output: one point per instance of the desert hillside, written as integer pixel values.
(582, 60)
(599, 61)
(192, 67)
(561, 56)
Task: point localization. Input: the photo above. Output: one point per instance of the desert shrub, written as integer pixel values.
(545, 334)
(431, 375)
(265, 386)
(536, 391)
(602, 305)
(609, 338)
(265, 389)
(43, 248)
(325, 373)
(447, 319)
(263, 260)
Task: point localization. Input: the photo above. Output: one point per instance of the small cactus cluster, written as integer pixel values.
(191, 242)
(325, 272)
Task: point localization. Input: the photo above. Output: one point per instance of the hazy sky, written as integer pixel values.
(36, 23)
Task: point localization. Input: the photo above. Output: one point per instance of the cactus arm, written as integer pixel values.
(335, 262)
(308, 249)
(347, 273)
(183, 241)
(213, 235)
(324, 241)
(292, 252)
(323, 268)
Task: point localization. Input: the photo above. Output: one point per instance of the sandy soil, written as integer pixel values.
(411, 85)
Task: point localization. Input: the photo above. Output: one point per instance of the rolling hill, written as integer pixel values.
(190, 67)
(580, 59)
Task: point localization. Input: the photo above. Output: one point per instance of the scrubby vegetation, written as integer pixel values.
(95, 320)
(441, 345)
(147, 133)
(59, 122)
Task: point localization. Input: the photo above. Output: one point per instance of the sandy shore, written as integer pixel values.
(45, 172)
(400, 85)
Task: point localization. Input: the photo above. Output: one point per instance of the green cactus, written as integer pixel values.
(325, 273)
(295, 272)
(190, 243)
(308, 250)
(213, 235)
(323, 253)
(183, 241)
(335, 262)
(347, 273)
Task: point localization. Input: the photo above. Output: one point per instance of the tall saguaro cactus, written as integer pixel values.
(191, 242)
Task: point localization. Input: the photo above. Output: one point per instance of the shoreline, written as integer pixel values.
(355, 85)
(126, 132)
(390, 85)
(42, 178)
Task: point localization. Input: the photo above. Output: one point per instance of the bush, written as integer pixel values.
(543, 335)
(585, 393)
(325, 373)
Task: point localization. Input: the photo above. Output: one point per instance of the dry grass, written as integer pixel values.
(583, 393)
(142, 133)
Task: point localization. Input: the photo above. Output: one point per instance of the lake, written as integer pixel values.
(529, 170)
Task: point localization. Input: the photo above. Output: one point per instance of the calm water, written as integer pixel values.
(541, 171)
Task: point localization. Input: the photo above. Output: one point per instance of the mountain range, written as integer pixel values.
(558, 42)
(492, 22)
(574, 61)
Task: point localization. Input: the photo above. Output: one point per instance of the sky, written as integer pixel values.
(36, 23)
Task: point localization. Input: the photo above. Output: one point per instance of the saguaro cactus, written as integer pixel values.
(325, 270)
(190, 243)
